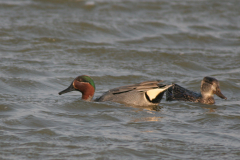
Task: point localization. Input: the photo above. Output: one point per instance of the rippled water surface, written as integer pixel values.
(45, 44)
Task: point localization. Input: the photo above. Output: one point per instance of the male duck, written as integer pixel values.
(141, 94)
(209, 87)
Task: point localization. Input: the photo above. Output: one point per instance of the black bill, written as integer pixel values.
(219, 93)
(69, 89)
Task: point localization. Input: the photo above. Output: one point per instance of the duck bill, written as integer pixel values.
(69, 89)
(219, 94)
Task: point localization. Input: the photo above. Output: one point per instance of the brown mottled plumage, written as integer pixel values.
(209, 87)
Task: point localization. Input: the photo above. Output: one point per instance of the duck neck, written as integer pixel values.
(207, 99)
(88, 92)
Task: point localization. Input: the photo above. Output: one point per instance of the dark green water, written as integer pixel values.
(45, 44)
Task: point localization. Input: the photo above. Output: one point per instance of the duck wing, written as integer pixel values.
(141, 87)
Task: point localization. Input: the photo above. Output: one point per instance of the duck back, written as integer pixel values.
(179, 93)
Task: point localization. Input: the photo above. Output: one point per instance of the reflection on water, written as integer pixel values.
(149, 108)
(147, 119)
(210, 110)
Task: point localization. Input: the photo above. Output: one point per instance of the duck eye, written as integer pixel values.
(208, 81)
(79, 79)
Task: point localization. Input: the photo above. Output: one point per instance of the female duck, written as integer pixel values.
(141, 94)
(209, 87)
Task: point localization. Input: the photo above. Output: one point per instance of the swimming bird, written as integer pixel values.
(209, 87)
(141, 94)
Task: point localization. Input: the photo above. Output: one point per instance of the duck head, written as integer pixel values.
(83, 84)
(209, 87)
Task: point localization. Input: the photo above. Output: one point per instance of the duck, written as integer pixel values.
(141, 94)
(209, 87)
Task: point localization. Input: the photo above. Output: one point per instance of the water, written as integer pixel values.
(45, 44)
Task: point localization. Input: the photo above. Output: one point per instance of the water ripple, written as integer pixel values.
(46, 44)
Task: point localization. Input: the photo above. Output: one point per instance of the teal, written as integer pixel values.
(209, 87)
(141, 94)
